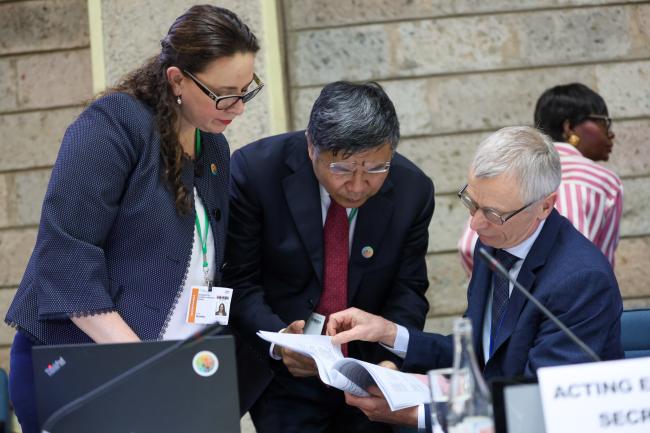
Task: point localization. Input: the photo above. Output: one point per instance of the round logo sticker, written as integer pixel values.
(367, 252)
(205, 363)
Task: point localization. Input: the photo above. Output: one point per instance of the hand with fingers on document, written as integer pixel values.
(354, 376)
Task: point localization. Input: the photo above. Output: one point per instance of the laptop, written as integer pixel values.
(517, 406)
(193, 389)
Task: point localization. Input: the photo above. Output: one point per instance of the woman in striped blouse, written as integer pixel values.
(590, 195)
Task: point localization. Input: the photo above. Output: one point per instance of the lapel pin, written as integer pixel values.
(367, 252)
(213, 168)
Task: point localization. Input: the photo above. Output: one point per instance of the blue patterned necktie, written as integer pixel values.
(500, 294)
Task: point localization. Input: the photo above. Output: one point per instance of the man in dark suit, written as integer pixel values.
(510, 194)
(322, 220)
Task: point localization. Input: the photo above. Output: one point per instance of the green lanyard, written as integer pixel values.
(203, 237)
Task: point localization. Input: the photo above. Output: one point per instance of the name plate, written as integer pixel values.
(611, 396)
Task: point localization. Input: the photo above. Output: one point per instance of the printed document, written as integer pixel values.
(352, 375)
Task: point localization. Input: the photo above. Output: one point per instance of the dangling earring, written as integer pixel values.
(179, 101)
(573, 140)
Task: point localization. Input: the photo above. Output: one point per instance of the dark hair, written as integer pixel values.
(201, 35)
(573, 102)
(352, 118)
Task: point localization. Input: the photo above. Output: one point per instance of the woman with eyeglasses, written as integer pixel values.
(136, 209)
(590, 195)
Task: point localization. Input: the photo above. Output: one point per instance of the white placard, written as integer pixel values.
(611, 396)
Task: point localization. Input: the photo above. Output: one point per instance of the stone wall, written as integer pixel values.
(458, 70)
(45, 77)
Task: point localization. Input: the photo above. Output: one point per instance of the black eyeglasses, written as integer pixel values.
(227, 101)
(490, 214)
(606, 121)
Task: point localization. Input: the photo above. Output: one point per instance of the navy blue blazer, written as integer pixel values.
(110, 238)
(571, 277)
(275, 243)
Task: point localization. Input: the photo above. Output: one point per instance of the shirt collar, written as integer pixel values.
(566, 149)
(522, 249)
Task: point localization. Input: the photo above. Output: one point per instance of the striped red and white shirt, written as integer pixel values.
(590, 196)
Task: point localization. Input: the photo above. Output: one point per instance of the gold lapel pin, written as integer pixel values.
(213, 168)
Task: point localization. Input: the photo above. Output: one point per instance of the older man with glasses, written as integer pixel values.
(510, 194)
(322, 220)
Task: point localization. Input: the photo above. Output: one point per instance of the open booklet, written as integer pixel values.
(352, 375)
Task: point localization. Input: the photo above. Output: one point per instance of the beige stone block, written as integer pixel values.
(630, 156)
(27, 26)
(634, 303)
(4, 364)
(447, 224)
(5, 197)
(468, 43)
(447, 292)
(6, 332)
(15, 249)
(354, 53)
(8, 90)
(301, 102)
(302, 14)
(33, 139)
(632, 267)
(636, 206)
(440, 325)
(21, 194)
(444, 158)
(624, 86)
(54, 79)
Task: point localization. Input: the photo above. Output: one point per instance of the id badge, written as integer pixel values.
(209, 305)
(314, 325)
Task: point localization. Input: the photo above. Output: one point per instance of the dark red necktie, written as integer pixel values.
(335, 268)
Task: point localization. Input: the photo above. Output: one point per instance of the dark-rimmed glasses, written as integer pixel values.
(605, 121)
(227, 101)
(490, 214)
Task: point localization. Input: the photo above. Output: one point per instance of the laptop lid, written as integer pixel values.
(192, 389)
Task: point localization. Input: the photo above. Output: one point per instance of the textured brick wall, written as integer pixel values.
(460, 69)
(44, 78)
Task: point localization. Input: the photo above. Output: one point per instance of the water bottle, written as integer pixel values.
(470, 402)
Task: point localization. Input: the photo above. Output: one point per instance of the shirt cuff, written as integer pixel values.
(401, 342)
(271, 353)
(421, 419)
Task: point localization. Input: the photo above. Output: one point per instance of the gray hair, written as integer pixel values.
(352, 118)
(524, 153)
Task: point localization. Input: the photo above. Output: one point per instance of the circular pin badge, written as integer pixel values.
(367, 252)
(213, 168)
(205, 363)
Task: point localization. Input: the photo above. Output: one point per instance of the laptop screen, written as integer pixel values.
(191, 389)
(517, 406)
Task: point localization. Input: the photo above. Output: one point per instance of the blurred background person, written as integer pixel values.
(590, 195)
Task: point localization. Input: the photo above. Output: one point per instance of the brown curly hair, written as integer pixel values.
(201, 35)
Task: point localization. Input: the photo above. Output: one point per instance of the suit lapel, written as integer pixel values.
(479, 289)
(372, 221)
(303, 198)
(534, 260)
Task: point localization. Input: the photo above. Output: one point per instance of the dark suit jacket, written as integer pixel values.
(275, 243)
(571, 277)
